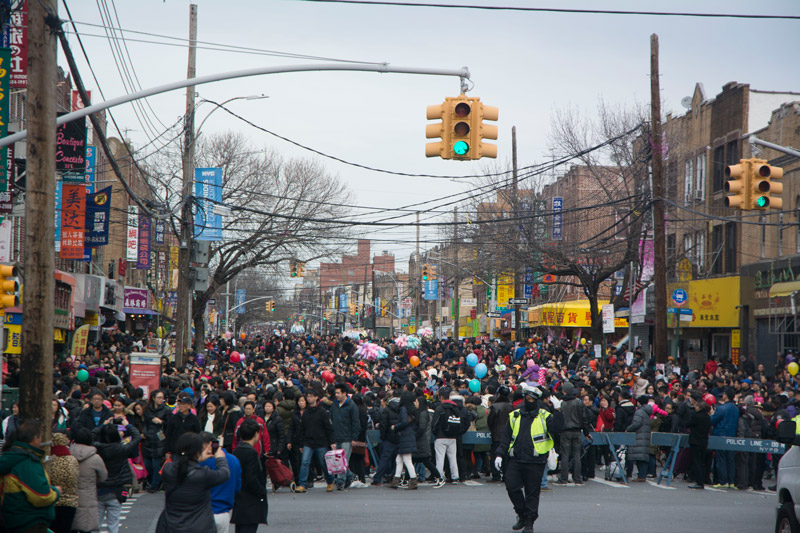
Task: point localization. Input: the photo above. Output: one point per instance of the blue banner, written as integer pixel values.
(91, 158)
(240, 295)
(98, 212)
(58, 217)
(528, 283)
(161, 228)
(432, 289)
(343, 302)
(558, 204)
(208, 190)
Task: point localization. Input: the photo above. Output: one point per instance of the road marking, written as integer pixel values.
(610, 483)
(715, 490)
(471, 483)
(654, 484)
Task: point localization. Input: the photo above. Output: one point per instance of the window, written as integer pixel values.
(700, 250)
(688, 249)
(688, 182)
(716, 250)
(700, 174)
(730, 247)
(732, 153)
(719, 168)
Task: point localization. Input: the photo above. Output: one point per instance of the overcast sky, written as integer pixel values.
(529, 65)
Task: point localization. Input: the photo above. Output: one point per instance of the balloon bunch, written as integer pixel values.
(297, 328)
(353, 334)
(371, 351)
(425, 332)
(328, 376)
(237, 357)
(401, 341)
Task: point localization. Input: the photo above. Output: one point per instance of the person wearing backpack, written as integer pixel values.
(447, 426)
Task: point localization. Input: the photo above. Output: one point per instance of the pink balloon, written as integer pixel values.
(530, 363)
(227, 334)
(234, 357)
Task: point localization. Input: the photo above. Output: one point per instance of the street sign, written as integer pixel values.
(679, 297)
(675, 311)
(212, 301)
(493, 314)
(548, 278)
(518, 301)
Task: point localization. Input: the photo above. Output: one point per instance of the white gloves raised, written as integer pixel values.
(498, 463)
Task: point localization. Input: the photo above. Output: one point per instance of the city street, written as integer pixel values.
(597, 506)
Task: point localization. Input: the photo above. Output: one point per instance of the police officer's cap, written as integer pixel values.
(533, 392)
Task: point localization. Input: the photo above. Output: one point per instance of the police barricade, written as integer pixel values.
(676, 441)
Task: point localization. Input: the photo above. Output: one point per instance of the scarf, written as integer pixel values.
(60, 450)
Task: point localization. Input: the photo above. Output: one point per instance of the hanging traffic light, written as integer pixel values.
(462, 136)
(8, 287)
(485, 131)
(434, 272)
(737, 185)
(461, 129)
(293, 268)
(763, 174)
(301, 269)
(272, 305)
(425, 272)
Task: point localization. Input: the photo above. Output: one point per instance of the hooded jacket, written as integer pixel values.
(91, 471)
(640, 451)
(115, 456)
(572, 409)
(28, 497)
(345, 420)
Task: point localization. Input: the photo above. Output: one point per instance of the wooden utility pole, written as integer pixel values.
(659, 346)
(456, 307)
(515, 214)
(38, 312)
(183, 321)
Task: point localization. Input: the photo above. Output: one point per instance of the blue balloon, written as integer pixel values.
(480, 370)
(474, 385)
(472, 359)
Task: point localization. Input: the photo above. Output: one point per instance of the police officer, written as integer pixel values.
(524, 445)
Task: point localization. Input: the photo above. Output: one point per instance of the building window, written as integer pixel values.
(350, 273)
(763, 221)
(718, 172)
(688, 249)
(730, 247)
(700, 250)
(732, 153)
(688, 182)
(716, 250)
(700, 175)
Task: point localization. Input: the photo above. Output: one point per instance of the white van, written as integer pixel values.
(788, 488)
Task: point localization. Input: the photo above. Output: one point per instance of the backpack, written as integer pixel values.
(450, 422)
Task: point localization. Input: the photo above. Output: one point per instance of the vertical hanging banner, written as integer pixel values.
(558, 204)
(5, 111)
(5, 241)
(18, 41)
(161, 228)
(208, 190)
(240, 298)
(91, 161)
(98, 211)
(73, 223)
(71, 149)
(7, 196)
(133, 233)
(143, 256)
(58, 217)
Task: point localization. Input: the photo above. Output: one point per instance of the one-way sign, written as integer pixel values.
(518, 301)
(493, 314)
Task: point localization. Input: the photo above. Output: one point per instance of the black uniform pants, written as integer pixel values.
(698, 456)
(523, 484)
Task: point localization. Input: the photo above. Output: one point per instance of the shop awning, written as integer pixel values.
(785, 288)
(137, 311)
(570, 314)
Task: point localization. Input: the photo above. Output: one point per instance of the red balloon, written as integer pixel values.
(234, 357)
(328, 376)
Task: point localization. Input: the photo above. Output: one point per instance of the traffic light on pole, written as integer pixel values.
(293, 268)
(485, 131)
(425, 272)
(764, 187)
(738, 186)
(272, 305)
(461, 129)
(301, 269)
(434, 271)
(8, 287)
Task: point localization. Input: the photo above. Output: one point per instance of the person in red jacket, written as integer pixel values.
(262, 446)
(711, 366)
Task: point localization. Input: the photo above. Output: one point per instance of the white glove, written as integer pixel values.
(556, 402)
(498, 463)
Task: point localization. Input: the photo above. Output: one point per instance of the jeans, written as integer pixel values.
(544, 477)
(726, 469)
(308, 453)
(341, 479)
(388, 451)
(108, 506)
(153, 465)
(446, 447)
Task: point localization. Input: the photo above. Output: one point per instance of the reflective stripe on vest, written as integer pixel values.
(796, 421)
(542, 441)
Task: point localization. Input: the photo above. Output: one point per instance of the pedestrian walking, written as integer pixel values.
(64, 473)
(346, 423)
(699, 425)
(223, 495)
(91, 471)
(111, 492)
(251, 507)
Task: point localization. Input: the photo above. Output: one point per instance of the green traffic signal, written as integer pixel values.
(461, 148)
(762, 201)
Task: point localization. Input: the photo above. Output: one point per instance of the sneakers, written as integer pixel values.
(559, 482)
(440, 482)
(357, 485)
(720, 486)
(413, 483)
(455, 482)
(329, 487)
(696, 486)
(300, 488)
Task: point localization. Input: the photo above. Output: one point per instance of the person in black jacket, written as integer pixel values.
(699, 426)
(154, 439)
(93, 416)
(316, 434)
(277, 433)
(498, 418)
(230, 413)
(115, 455)
(181, 422)
(250, 507)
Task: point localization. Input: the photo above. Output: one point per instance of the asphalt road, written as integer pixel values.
(597, 506)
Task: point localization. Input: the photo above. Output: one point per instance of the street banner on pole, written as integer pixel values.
(208, 189)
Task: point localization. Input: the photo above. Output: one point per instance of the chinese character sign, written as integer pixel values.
(58, 217)
(18, 40)
(161, 229)
(91, 160)
(5, 109)
(208, 189)
(73, 223)
(135, 298)
(133, 233)
(143, 255)
(98, 211)
(558, 204)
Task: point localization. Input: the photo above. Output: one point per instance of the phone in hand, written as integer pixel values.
(214, 446)
(117, 421)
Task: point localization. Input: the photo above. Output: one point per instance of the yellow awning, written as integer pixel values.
(570, 314)
(785, 288)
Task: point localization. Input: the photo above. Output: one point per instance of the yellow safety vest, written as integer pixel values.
(796, 421)
(542, 441)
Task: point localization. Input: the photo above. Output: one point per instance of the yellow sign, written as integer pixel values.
(79, 340)
(505, 289)
(573, 314)
(92, 318)
(736, 338)
(14, 333)
(684, 270)
(712, 301)
(58, 335)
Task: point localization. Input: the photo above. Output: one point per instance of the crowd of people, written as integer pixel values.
(239, 409)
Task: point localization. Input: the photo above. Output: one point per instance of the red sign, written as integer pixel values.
(73, 223)
(146, 371)
(473, 314)
(77, 101)
(123, 268)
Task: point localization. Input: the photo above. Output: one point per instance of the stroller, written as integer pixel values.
(613, 470)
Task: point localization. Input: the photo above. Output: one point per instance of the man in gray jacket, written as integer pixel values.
(346, 427)
(572, 435)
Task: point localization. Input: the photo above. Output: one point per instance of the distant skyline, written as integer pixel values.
(529, 65)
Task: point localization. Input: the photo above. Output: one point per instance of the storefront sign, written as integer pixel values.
(135, 298)
(133, 233)
(98, 213)
(713, 301)
(80, 340)
(73, 222)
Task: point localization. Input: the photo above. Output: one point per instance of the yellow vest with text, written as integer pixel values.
(796, 421)
(542, 441)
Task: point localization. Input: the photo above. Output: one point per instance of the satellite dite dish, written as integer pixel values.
(686, 102)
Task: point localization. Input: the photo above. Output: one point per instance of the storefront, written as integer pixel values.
(572, 320)
(137, 309)
(89, 292)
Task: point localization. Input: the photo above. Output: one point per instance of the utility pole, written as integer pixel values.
(515, 215)
(419, 279)
(183, 318)
(36, 379)
(659, 240)
(456, 306)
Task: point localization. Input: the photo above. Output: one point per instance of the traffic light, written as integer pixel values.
(434, 272)
(425, 272)
(737, 185)
(461, 129)
(301, 269)
(356, 306)
(272, 305)
(8, 287)
(293, 268)
(764, 187)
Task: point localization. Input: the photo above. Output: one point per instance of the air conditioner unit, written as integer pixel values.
(699, 196)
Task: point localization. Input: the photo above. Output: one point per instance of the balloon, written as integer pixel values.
(227, 334)
(328, 376)
(792, 368)
(480, 370)
(474, 385)
(530, 363)
(200, 359)
(583, 341)
(243, 335)
(472, 359)
(234, 357)
(789, 358)
(83, 375)
(414, 360)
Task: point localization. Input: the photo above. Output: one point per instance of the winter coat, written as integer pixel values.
(262, 445)
(64, 472)
(404, 429)
(623, 416)
(115, 456)
(153, 446)
(345, 420)
(498, 418)
(179, 424)
(216, 424)
(482, 425)
(423, 433)
(725, 420)
(251, 503)
(229, 421)
(285, 410)
(91, 471)
(277, 434)
(699, 426)
(315, 428)
(86, 419)
(757, 426)
(390, 417)
(640, 451)
(188, 504)
(28, 495)
(295, 433)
